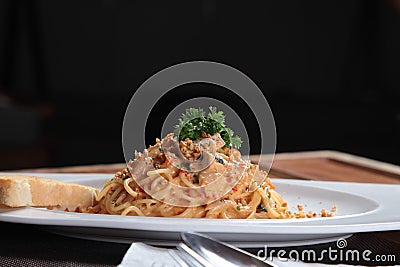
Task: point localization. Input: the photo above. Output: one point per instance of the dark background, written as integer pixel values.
(329, 69)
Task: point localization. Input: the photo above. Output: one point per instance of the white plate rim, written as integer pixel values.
(377, 220)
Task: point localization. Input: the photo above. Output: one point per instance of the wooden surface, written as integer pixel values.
(333, 166)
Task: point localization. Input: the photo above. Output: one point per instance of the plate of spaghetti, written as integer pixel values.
(360, 208)
(195, 179)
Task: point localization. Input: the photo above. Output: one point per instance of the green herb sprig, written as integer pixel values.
(194, 122)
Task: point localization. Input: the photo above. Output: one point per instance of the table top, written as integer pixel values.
(24, 245)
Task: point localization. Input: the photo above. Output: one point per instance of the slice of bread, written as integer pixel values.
(20, 191)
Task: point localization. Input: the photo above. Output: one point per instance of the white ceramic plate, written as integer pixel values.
(360, 208)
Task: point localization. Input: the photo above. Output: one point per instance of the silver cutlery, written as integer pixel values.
(201, 250)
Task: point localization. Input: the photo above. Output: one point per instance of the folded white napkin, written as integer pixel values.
(140, 254)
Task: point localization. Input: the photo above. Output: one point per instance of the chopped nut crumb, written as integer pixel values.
(189, 149)
(300, 214)
(323, 213)
(310, 214)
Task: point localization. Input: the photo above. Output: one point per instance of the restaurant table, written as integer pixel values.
(29, 245)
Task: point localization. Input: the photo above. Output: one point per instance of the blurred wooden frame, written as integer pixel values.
(327, 165)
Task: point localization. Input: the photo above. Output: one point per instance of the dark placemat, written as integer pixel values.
(27, 245)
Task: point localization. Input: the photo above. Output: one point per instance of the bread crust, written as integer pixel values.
(20, 191)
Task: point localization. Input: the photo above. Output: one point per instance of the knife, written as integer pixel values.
(217, 253)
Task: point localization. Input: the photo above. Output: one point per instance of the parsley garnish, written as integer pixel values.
(194, 123)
